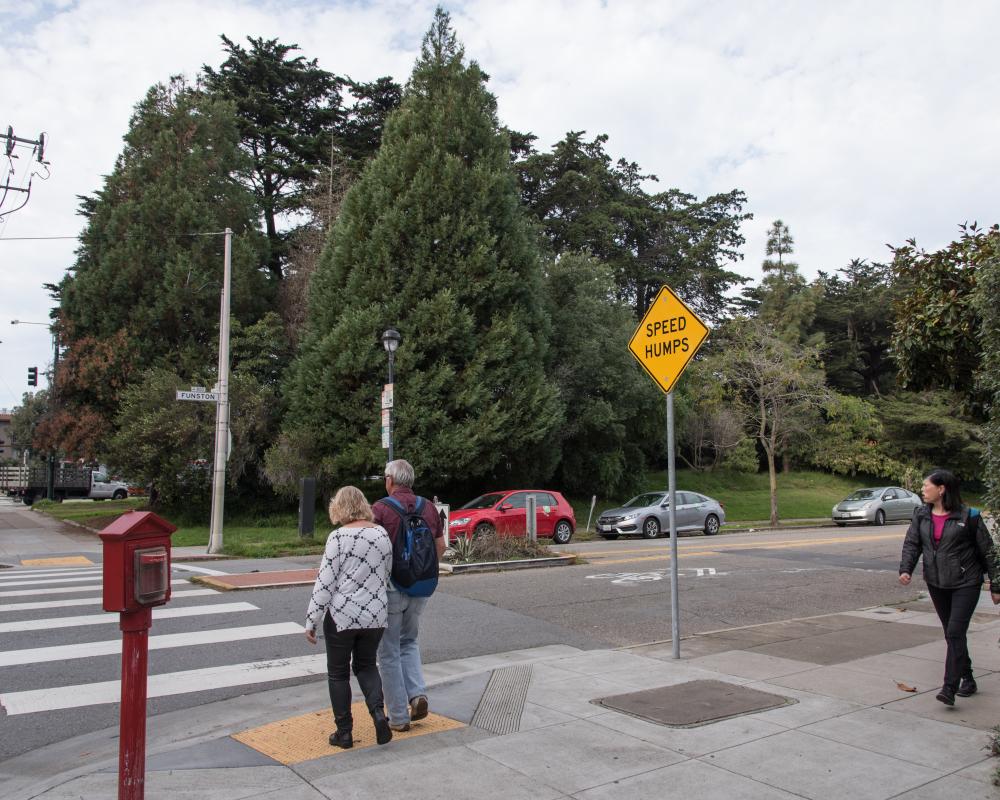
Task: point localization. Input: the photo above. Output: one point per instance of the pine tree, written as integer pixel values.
(144, 290)
(431, 240)
(786, 301)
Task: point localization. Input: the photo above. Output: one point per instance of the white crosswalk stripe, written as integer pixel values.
(96, 587)
(48, 581)
(61, 573)
(193, 680)
(37, 655)
(104, 619)
(92, 601)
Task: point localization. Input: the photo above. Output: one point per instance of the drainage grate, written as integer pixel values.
(500, 707)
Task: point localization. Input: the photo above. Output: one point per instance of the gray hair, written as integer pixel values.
(401, 472)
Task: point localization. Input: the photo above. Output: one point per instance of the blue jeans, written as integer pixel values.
(399, 656)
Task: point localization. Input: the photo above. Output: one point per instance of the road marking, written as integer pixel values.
(846, 538)
(170, 683)
(62, 561)
(48, 581)
(94, 587)
(627, 578)
(93, 601)
(38, 655)
(201, 570)
(61, 573)
(720, 550)
(104, 619)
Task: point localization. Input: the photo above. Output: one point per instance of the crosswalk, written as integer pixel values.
(59, 651)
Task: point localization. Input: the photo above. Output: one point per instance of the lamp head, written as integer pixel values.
(391, 340)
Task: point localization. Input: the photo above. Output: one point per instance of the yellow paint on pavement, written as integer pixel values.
(62, 561)
(721, 549)
(303, 738)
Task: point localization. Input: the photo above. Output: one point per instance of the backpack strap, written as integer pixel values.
(395, 505)
(419, 508)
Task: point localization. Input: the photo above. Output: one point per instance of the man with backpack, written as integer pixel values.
(417, 535)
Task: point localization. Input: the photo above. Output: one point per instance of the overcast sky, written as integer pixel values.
(857, 123)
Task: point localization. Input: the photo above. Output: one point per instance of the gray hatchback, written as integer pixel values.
(648, 514)
(876, 506)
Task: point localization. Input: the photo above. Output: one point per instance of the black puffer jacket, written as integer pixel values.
(964, 553)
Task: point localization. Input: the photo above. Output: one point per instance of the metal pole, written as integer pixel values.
(531, 518)
(222, 406)
(675, 625)
(51, 480)
(392, 378)
(132, 723)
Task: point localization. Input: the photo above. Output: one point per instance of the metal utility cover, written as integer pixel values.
(667, 338)
(686, 705)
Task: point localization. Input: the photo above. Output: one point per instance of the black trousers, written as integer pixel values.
(954, 608)
(343, 647)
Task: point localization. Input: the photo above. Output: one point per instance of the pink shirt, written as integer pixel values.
(938, 520)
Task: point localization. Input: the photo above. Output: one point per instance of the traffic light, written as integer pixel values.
(32, 376)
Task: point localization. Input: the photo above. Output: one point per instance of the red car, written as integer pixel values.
(504, 512)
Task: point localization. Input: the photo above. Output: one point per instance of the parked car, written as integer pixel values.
(876, 506)
(505, 513)
(648, 514)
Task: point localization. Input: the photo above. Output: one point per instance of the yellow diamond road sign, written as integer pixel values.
(667, 338)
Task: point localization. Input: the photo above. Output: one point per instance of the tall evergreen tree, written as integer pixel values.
(287, 108)
(144, 290)
(430, 240)
(786, 301)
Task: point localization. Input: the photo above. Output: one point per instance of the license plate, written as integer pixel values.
(604, 527)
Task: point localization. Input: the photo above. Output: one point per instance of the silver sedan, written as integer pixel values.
(648, 514)
(876, 506)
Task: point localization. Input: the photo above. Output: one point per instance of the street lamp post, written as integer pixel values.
(50, 481)
(390, 341)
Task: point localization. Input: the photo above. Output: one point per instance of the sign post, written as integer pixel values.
(666, 340)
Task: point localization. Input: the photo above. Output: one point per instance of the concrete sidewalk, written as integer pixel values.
(529, 724)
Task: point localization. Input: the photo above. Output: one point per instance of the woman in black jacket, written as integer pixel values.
(957, 550)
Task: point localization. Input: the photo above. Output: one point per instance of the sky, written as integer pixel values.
(859, 124)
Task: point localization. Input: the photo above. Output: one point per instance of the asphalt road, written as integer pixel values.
(620, 597)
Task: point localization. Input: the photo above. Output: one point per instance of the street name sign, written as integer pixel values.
(208, 397)
(667, 338)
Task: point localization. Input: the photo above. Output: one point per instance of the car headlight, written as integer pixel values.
(460, 521)
(629, 517)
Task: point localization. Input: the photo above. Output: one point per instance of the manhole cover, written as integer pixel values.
(694, 703)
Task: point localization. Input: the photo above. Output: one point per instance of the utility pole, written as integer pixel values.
(222, 406)
(38, 153)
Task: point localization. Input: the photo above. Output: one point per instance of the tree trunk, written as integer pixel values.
(772, 476)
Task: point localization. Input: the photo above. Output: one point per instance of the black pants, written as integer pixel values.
(341, 648)
(954, 608)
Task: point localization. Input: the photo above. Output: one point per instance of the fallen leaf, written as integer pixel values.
(904, 688)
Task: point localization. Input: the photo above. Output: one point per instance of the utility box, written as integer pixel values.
(136, 561)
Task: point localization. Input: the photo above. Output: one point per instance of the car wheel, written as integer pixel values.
(711, 525)
(651, 528)
(483, 529)
(563, 532)
(609, 536)
(120, 494)
(880, 517)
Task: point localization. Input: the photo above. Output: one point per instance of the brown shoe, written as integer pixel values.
(400, 728)
(418, 707)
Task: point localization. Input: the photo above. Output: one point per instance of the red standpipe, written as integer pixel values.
(132, 731)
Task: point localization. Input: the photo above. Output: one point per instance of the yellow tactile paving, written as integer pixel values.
(61, 561)
(303, 738)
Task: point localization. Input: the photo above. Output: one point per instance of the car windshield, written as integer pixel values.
(862, 494)
(485, 501)
(643, 500)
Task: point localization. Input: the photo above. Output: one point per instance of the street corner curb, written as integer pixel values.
(212, 583)
(504, 566)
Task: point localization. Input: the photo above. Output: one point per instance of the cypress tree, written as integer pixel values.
(431, 241)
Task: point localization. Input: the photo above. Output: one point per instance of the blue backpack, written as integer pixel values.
(414, 551)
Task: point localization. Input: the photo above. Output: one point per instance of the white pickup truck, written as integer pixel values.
(32, 483)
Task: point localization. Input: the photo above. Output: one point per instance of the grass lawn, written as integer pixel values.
(801, 495)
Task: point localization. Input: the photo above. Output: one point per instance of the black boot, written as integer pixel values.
(967, 687)
(343, 739)
(947, 695)
(383, 733)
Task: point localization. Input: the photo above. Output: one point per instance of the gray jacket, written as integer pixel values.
(964, 553)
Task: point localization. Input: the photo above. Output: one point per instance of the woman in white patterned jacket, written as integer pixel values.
(350, 597)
